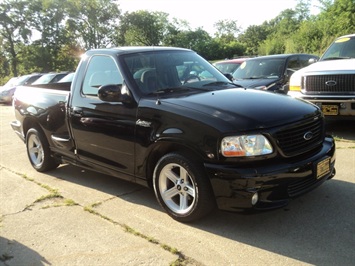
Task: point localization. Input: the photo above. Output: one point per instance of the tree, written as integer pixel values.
(253, 36)
(14, 30)
(142, 28)
(48, 19)
(93, 23)
(227, 29)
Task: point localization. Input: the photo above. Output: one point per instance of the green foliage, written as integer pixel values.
(253, 37)
(50, 35)
(142, 28)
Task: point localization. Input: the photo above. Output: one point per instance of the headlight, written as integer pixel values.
(245, 145)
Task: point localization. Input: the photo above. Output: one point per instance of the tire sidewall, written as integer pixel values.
(48, 162)
(175, 158)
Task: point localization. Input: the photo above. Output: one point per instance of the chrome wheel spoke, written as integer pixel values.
(184, 204)
(169, 194)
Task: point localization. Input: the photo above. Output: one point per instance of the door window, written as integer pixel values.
(102, 70)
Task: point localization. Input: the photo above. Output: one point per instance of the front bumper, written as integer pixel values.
(345, 104)
(234, 185)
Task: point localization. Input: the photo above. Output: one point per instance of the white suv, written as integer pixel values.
(330, 82)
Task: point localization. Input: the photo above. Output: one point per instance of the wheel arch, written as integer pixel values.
(29, 123)
(164, 147)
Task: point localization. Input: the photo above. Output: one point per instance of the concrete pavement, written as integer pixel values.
(74, 217)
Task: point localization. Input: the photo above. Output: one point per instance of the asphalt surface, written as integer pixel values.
(71, 216)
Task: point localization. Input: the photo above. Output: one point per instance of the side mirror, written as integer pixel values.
(114, 93)
(229, 76)
(312, 60)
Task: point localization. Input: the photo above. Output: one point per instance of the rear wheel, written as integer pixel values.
(38, 151)
(182, 189)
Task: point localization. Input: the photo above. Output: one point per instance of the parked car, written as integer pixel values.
(229, 66)
(8, 90)
(67, 78)
(330, 82)
(271, 73)
(50, 78)
(10, 83)
(142, 114)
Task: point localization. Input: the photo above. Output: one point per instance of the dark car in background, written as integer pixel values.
(228, 66)
(272, 72)
(8, 90)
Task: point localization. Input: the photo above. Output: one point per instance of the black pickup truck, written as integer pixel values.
(144, 114)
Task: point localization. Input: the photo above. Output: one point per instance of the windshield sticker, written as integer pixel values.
(243, 65)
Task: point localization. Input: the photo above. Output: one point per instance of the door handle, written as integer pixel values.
(77, 111)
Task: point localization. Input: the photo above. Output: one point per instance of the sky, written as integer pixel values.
(205, 13)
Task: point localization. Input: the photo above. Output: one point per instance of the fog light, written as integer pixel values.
(343, 105)
(254, 198)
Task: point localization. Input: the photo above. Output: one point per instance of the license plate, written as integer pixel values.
(330, 109)
(323, 168)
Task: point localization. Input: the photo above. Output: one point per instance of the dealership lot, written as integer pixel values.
(77, 217)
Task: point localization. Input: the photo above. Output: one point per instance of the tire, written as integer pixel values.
(38, 151)
(182, 189)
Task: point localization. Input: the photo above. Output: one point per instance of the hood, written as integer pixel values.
(331, 65)
(6, 89)
(243, 109)
(254, 83)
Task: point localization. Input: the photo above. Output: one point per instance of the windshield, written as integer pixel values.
(21, 80)
(341, 49)
(227, 67)
(67, 78)
(161, 71)
(45, 79)
(11, 83)
(260, 69)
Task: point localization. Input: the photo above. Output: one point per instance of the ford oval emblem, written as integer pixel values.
(331, 83)
(308, 135)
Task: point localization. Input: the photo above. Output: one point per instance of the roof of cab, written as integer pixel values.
(134, 49)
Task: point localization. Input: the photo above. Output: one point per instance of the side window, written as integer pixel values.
(102, 70)
(293, 64)
(304, 60)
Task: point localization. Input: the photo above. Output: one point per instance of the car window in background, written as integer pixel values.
(27, 79)
(229, 66)
(49, 78)
(68, 78)
(260, 69)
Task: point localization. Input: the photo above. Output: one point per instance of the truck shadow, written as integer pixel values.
(316, 228)
(13, 253)
(341, 129)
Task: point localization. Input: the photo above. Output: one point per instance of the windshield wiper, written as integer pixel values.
(172, 89)
(336, 58)
(221, 83)
(256, 77)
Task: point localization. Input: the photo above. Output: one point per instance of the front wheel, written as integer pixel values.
(38, 151)
(182, 189)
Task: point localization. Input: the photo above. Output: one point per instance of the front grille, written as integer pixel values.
(330, 84)
(292, 139)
